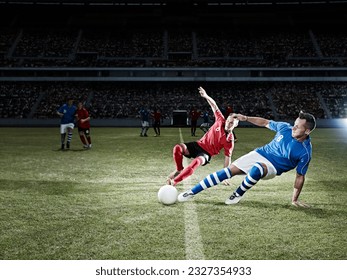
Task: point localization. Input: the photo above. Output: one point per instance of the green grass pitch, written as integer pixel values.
(102, 203)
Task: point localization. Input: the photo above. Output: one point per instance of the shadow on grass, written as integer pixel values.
(45, 187)
(315, 211)
(70, 150)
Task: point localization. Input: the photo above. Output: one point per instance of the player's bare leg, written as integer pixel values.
(83, 139)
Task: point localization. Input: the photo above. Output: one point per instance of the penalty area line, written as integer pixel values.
(193, 240)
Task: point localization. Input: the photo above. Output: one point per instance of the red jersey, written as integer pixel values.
(228, 111)
(216, 139)
(157, 116)
(194, 115)
(82, 114)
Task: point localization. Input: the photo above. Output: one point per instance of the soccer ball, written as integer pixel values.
(167, 194)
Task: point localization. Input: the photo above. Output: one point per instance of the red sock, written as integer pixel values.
(83, 139)
(89, 140)
(178, 157)
(189, 170)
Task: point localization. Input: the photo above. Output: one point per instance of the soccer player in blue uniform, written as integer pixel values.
(67, 113)
(291, 148)
(144, 115)
(205, 126)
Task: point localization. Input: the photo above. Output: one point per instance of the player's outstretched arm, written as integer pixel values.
(298, 185)
(254, 120)
(209, 99)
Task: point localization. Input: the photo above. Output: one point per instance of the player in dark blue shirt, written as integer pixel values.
(144, 115)
(205, 126)
(67, 113)
(291, 148)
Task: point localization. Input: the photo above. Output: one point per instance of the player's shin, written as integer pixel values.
(212, 180)
(253, 176)
(83, 139)
(62, 138)
(69, 137)
(178, 157)
(189, 170)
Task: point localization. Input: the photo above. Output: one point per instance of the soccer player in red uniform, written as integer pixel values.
(156, 115)
(83, 123)
(194, 116)
(218, 137)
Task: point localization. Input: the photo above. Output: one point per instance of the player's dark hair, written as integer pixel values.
(310, 119)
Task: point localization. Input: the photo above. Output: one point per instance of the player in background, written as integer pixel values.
(156, 115)
(83, 124)
(228, 110)
(144, 115)
(194, 115)
(67, 113)
(218, 137)
(205, 126)
(290, 148)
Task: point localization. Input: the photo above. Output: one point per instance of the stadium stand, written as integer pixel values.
(171, 48)
(122, 100)
(73, 51)
(88, 48)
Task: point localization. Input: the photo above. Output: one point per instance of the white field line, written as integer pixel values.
(193, 240)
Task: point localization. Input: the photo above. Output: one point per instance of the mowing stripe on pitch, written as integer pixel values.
(193, 240)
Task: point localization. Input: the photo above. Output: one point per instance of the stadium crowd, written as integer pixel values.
(165, 46)
(85, 47)
(122, 100)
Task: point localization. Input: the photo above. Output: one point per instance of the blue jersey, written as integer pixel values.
(69, 113)
(285, 152)
(144, 115)
(206, 117)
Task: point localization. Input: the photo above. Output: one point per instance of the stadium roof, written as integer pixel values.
(164, 2)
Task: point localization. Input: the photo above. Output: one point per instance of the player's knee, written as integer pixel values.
(177, 149)
(197, 162)
(265, 169)
(259, 170)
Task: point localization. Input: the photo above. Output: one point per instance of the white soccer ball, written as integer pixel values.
(167, 194)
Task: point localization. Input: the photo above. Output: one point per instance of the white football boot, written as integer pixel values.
(185, 196)
(233, 199)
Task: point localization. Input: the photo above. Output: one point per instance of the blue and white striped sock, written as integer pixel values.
(253, 176)
(212, 180)
(69, 137)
